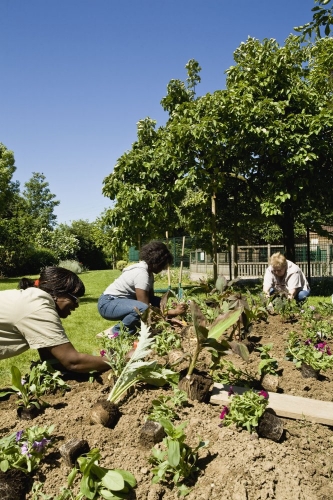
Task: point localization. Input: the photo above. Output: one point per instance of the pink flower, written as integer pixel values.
(102, 352)
(224, 412)
(264, 394)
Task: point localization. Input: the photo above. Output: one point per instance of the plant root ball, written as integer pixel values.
(105, 413)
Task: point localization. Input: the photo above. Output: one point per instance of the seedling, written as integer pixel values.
(267, 364)
(245, 410)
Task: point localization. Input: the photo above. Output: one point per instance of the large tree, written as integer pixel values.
(40, 202)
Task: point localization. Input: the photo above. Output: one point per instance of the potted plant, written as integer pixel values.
(309, 355)
(20, 454)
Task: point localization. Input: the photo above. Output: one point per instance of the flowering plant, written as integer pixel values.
(115, 348)
(244, 409)
(29, 388)
(24, 449)
(316, 354)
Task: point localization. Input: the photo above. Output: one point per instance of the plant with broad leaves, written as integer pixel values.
(99, 482)
(24, 449)
(245, 409)
(41, 380)
(115, 348)
(136, 370)
(267, 364)
(166, 341)
(177, 461)
(207, 338)
(316, 354)
(166, 406)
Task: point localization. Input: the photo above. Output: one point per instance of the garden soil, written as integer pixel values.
(236, 465)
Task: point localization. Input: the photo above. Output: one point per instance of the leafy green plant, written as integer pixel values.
(267, 364)
(177, 461)
(24, 449)
(286, 308)
(317, 355)
(166, 406)
(41, 380)
(99, 482)
(225, 372)
(136, 370)
(245, 409)
(166, 341)
(115, 348)
(207, 339)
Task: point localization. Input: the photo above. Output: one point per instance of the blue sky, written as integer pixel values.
(77, 75)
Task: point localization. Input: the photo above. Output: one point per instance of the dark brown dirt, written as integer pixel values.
(235, 466)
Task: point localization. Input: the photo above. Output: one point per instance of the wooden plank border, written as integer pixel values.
(284, 405)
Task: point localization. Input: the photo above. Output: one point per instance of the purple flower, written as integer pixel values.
(320, 346)
(264, 394)
(308, 342)
(328, 351)
(231, 391)
(102, 352)
(18, 435)
(224, 412)
(113, 335)
(25, 450)
(40, 445)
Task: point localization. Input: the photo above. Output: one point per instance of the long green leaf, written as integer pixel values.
(224, 322)
(113, 480)
(173, 453)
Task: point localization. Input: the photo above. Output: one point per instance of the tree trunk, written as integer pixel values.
(287, 227)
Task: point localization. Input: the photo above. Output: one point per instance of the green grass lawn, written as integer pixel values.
(83, 325)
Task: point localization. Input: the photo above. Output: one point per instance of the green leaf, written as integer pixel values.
(223, 322)
(173, 453)
(127, 476)
(113, 480)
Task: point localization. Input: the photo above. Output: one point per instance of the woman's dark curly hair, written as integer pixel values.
(56, 281)
(156, 253)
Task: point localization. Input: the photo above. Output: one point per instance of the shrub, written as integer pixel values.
(71, 265)
(121, 264)
(35, 260)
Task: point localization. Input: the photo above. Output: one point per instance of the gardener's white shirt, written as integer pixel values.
(28, 319)
(132, 277)
(293, 279)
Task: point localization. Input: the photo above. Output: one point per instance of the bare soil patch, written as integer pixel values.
(235, 466)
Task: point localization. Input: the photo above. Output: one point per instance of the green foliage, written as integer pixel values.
(322, 17)
(225, 372)
(167, 406)
(311, 352)
(245, 409)
(99, 482)
(136, 370)
(166, 341)
(40, 202)
(177, 462)
(24, 449)
(72, 265)
(41, 380)
(115, 348)
(121, 264)
(267, 365)
(62, 244)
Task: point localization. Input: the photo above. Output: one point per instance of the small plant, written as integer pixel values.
(245, 410)
(115, 348)
(24, 449)
(226, 373)
(166, 341)
(30, 388)
(177, 462)
(166, 406)
(267, 364)
(286, 308)
(136, 370)
(98, 482)
(316, 354)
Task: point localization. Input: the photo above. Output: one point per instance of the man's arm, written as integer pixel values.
(75, 361)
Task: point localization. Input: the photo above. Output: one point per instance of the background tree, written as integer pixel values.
(322, 17)
(40, 202)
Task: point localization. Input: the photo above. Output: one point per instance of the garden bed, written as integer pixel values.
(236, 465)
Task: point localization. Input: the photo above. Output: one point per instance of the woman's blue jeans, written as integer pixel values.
(302, 294)
(113, 308)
